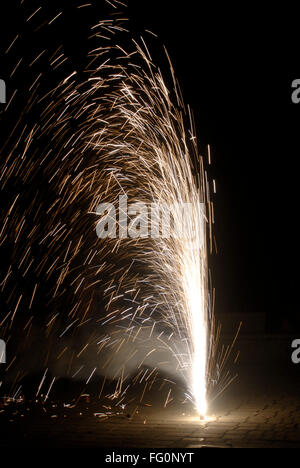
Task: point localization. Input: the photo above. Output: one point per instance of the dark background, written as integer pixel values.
(235, 66)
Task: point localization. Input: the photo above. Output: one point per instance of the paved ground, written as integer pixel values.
(261, 409)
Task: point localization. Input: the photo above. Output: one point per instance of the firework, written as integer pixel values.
(127, 301)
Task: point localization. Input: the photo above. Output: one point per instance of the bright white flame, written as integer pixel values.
(195, 289)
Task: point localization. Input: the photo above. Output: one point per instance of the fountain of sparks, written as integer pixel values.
(120, 131)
